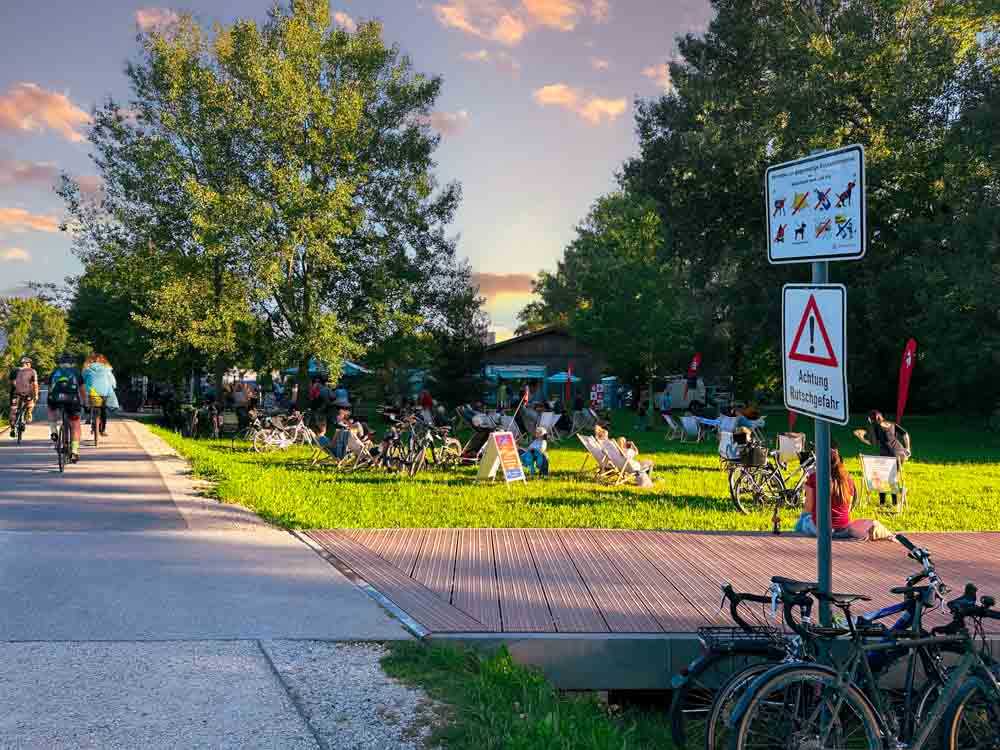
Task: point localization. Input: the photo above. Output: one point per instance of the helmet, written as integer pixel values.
(25, 360)
(66, 358)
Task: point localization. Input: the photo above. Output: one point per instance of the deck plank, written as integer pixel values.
(573, 608)
(523, 606)
(418, 602)
(623, 609)
(475, 589)
(402, 547)
(435, 566)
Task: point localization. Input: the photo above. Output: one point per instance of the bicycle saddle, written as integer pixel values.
(795, 587)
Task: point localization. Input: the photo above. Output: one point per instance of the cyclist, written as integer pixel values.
(100, 383)
(23, 388)
(66, 392)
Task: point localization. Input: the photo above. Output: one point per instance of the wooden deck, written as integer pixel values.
(592, 581)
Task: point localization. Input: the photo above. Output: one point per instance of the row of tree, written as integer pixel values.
(268, 199)
(675, 260)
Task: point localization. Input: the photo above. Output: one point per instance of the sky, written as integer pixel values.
(536, 113)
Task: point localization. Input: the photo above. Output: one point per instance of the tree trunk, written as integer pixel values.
(303, 399)
(220, 366)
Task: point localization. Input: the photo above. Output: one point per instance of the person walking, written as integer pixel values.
(890, 439)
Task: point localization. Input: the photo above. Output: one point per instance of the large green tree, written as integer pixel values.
(771, 80)
(280, 176)
(31, 327)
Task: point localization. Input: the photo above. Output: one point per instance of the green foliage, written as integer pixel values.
(952, 461)
(493, 702)
(272, 184)
(33, 327)
(771, 80)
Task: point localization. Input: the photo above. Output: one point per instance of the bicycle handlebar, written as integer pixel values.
(736, 598)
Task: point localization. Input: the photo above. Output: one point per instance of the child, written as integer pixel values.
(536, 456)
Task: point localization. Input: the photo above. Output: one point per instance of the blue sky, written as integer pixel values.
(536, 112)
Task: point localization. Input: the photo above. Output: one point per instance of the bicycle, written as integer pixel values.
(840, 704)
(20, 423)
(64, 433)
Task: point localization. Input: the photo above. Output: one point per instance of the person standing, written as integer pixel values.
(502, 395)
(890, 439)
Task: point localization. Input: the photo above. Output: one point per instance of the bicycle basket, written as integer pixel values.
(754, 456)
(723, 637)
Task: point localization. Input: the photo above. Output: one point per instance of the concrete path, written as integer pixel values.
(135, 613)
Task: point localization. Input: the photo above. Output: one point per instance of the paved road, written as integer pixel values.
(130, 608)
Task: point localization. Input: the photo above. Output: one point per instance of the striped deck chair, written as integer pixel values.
(604, 468)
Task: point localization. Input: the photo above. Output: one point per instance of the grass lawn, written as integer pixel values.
(491, 702)
(953, 481)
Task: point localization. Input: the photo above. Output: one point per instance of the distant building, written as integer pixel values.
(541, 354)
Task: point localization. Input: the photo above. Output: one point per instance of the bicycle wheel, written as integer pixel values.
(805, 708)
(19, 423)
(717, 724)
(692, 701)
(756, 490)
(972, 722)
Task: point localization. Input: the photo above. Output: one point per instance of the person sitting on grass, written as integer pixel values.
(842, 491)
(536, 455)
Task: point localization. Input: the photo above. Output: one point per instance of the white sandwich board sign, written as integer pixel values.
(814, 360)
(815, 207)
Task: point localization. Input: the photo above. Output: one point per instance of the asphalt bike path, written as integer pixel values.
(136, 613)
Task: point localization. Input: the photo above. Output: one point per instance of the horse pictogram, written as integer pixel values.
(779, 207)
(844, 198)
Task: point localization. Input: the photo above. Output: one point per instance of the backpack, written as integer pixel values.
(65, 383)
(24, 383)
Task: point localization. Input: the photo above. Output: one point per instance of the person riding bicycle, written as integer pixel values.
(66, 392)
(23, 389)
(99, 382)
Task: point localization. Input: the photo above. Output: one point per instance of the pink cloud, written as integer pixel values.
(660, 74)
(345, 21)
(15, 173)
(501, 60)
(508, 21)
(592, 109)
(15, 255)
(155, 19)
(19, 220)
(90, 185)
(447, 123)
(599, 63)
(28, 108)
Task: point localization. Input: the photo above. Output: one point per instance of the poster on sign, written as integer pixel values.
(501, 455)
(814, 335)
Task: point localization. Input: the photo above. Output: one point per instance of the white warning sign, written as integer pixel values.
(814, 336)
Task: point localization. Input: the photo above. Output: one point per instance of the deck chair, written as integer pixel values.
(729, 451)
(674, 430)
(583, 421)
(883, 474)
(335, 452)
(508, 424)
(604, 468)
(548, 421)
(790, 445)
(627, 464)
(690, 430)
(358, 456)
(530, 419)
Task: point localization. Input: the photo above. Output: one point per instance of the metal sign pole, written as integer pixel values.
(824, 533)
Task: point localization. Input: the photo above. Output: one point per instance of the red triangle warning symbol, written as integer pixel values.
(809, 351)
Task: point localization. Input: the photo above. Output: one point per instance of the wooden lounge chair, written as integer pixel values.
(627, 465)
(691, 430)
(674, 430)
(604, 469)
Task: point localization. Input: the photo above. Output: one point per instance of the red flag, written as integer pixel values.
(905, 371)
(792, 416)
(692, 373)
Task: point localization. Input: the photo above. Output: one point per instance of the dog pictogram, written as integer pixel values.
(844, 198)
(800, 231)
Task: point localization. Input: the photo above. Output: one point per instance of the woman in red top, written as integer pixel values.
(841, 493)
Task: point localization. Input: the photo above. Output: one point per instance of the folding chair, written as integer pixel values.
(626, 464)
(883, 475)
(333, 453)
(509, 424)
(691, 430)
(358, 455)
(674, 430)
(548, 421)
(604, 468)
(585, 419)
